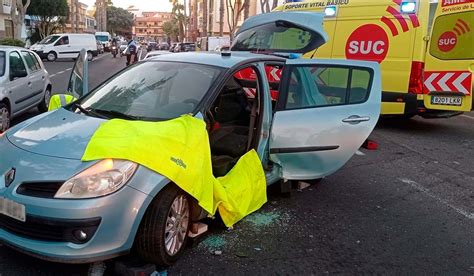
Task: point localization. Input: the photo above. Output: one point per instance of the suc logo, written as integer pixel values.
(368, 42)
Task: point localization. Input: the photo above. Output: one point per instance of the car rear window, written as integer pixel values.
(452, 36)
(2, 63)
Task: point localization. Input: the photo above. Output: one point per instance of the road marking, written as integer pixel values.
(360, 153)
(466, 116)
(427, 192)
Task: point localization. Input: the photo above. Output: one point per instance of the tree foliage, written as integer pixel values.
(119, 20)
(175, 28)
(235, 9)
(51, 15)
(171, 30)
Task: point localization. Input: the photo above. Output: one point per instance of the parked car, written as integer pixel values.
(172, 47)
(122, 47)
(152, 46)
(24, 84)
(100, 47)
(65, 45)
(185, 47)
(104, 38)
(154, 54)
(164, 46)
(60, 208)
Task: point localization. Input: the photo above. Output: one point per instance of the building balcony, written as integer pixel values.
(6, 7)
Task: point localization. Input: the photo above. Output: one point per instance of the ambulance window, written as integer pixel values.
(318, 86)
(452, 36)
(433, 7)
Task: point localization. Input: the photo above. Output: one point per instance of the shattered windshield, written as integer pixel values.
(153, 91)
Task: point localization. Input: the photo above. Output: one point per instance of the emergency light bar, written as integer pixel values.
(330, 11)
(408, 7)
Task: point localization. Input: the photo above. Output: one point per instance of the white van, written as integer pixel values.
(104, 38)
(65, 46)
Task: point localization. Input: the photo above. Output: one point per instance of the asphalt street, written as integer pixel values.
(405, 208)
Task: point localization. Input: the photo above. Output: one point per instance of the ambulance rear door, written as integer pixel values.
(449, 65)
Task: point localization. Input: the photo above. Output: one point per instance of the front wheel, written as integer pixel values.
(44, 105)
(163, 232)
(4, 117)
(90, 56)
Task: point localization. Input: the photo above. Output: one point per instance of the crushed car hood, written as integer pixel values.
(61, 133)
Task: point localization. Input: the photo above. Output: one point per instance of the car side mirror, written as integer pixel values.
(18, 74)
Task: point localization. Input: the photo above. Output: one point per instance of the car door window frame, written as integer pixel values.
(26, 55)
(286, 77)
(10, 63)
(36, 60)
(66, 38)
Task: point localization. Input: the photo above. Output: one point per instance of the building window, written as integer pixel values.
(8, 28)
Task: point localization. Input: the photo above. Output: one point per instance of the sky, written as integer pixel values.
(145, 5)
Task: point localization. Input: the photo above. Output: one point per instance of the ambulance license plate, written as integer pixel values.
(446, 100)
(12, 209)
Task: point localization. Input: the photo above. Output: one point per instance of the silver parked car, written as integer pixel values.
(24, 84)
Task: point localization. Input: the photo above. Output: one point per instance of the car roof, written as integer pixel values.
(216, 59)
(10, 48)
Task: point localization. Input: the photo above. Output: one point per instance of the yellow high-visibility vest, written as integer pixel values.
(179, 150)
(59, 100)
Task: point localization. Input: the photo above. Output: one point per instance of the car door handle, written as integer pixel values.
(29, 83)
(355, 119)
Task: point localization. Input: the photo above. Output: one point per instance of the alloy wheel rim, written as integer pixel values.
(89, 56)
(177, 223)
(4, 119)
(51, 56)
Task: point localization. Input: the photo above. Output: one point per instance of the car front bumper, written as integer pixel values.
(41, 54)
(111, 221)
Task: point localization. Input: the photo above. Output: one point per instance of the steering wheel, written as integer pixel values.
(194, 102)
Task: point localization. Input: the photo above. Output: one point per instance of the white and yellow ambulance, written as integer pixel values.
(425, 48)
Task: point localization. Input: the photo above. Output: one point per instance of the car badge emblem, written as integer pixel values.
(10, 177)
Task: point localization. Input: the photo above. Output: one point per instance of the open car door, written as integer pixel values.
(325, 111)
(79, 80)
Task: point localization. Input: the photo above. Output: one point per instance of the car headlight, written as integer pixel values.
(103, 178)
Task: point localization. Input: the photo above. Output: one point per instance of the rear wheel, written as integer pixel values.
(4, 117)
(163, 232)
(52, 56)
(44, 104)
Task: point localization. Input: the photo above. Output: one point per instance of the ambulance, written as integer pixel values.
(425, 49)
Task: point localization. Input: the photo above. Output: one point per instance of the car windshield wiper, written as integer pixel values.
(115, 113)
(88, 111)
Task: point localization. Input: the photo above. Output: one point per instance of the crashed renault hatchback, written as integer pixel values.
(304, 118)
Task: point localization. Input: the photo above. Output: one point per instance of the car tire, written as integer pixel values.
(44, 104)
(4, 117)
(90, 56)
(52, 56)
(155, 240)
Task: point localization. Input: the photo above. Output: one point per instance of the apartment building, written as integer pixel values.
(6, 24)
(150, 25)
(214, 23)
